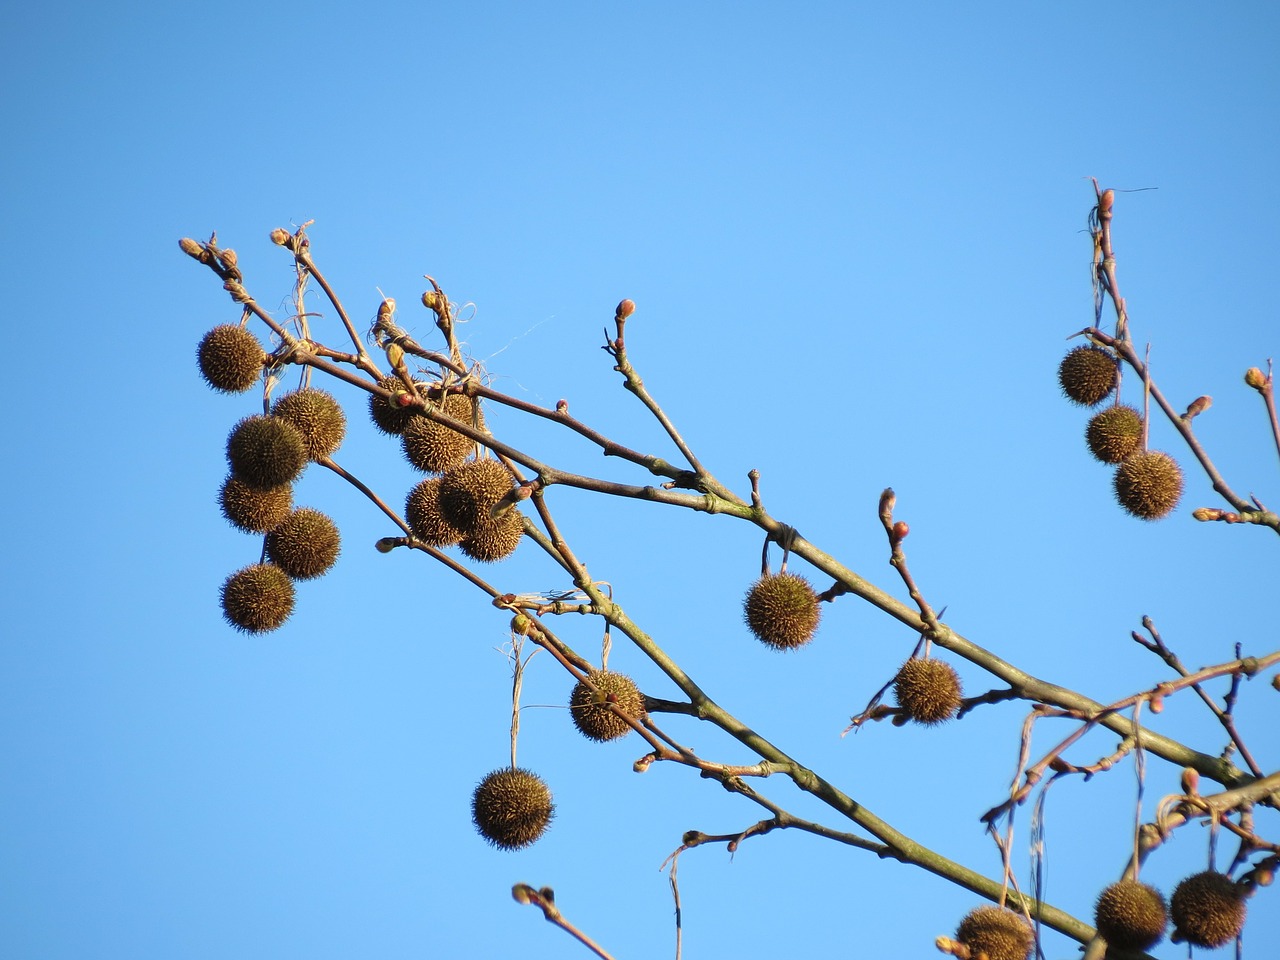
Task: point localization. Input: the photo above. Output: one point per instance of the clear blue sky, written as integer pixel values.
(855, 236)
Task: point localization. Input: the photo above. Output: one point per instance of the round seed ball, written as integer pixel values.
(230, 358)
(305, 545)
(782, 610)
(257, 599)
(1087, 375)
(1131, 915)
(1208, 910)
(512, 808)
(317, 416)
(1149, 485)
(928, 691)
(433, 447)
(253, 509)
(422, 513)
(469, 492)
(494, 539)
(1001, 934)
(591, 712)
(1114, 434)
(265, 451)
(390, 418)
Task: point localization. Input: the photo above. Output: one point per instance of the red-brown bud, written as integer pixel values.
(1105, 203)
(1255, 378)
(194, 249)
(1191, 781)
(562, 406)
(1198, 406)
(625, 309)
(900, 531)
(1206, 513)
(281, 237)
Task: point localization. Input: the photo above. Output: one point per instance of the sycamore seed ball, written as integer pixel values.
(1208, 910)
(999, 933)
(782, 610)
(590, 709)
(494, 539)
(1149, 485)
(468, 493)
(230, 358)
(422, 513)
(265, 451)
(1087, 375)
(512, 808)
(305, 545)
(317, 416)
(433, 447)
(388, 417)
(1114, 434)
(257, 599)
(254, 510)
(1131, 915)
(928, 691)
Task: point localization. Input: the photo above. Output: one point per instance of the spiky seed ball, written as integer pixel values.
(422, 513)
(927, 690)
(1208, 910)
(469, 492)
(1088, 375)
(254, 510)
(265, 451)
(390, 418)
(230, 358)
(1114, 434)
(305, 545)
(1131, 915)
(782, 610)
(1001, 934)
(257, 599)
(1149, 484)
(491, 540)
(318, 418)
(434, 448)
(512, 808)
(590, 709)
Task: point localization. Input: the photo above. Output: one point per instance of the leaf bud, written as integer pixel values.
(386, 544)
(900, 531)
(1198, 406)
(194, 249)
(281, 237)
(1191, 781)
(625, 309)
(431, 300)
(1255, 378)
(1206, 513)
(395, 354)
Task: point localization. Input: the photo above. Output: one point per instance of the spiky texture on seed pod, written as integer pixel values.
(469, 492)
(1208, 910)
(434, 448)
(257, 599)
(1114, 434)
(928, 691)
(388, 417)
(782, 610)
(254, 510)
(491, 540)
(1088, 375)
(230, 358)
(318, 418)
(1149, 484)
(999, 933)
(305, 545)
(1131, 915)
(590, 709)
(265, 451)
(512, 808)
(422, 513)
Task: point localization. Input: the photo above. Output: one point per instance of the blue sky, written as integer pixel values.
(855, 237)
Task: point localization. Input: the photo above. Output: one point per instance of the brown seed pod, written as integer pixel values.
(512, 808)
(1000, 934)
(494, 539)
(782, 610)
(317, 416)
(434, 448)
(928, 691)
(1087, 375)
(257, 599)
(254, 510)
(388, 417)
(469, 492)
(1131, 915)
(422, 513)
(265, 451)
(1208, 910)
(230, 358)
(1114, 434)
(1149, 484)
(591, 712)
(305, 545)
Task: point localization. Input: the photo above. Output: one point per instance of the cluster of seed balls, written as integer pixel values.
(266, 454)
(1148, 483)
(783, 612)
(456, 505)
